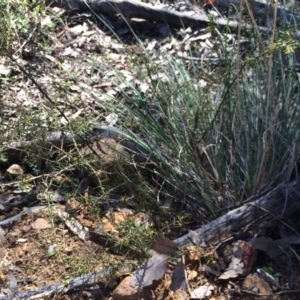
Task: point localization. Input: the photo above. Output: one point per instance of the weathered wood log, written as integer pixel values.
(131, 144)
(80, 283)
(17, 150)
(136, 9)
(280, 202)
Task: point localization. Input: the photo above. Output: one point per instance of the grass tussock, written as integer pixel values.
(220, 143)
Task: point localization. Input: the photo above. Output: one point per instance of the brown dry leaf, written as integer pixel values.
(125, 291)
(40, 224)
(248, 255)
(192, 274)
(26, 228)
(69, 250)
(255, 283)
(108, 226)
(120, 216)
(164, 246)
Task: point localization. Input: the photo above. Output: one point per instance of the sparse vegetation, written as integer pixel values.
(109, 122)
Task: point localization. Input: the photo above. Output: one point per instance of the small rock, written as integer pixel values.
(125, 292)
(69, 250)
(14, 171)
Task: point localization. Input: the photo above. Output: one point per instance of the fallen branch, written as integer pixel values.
(80, 283)
(280, 202)
(130, 9)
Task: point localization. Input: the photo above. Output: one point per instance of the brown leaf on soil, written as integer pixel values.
(108, 226)
(40, 224)
(125, 291)
(191, 274)
(118, 217)
(255, 283)
(164, 246)
(248, 256)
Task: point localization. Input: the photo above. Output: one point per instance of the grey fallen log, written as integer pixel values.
(280, 202)
(136, 9)
(132, 144)
(76, 284)
(16, 150)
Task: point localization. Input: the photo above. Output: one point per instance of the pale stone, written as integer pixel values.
(126, 292)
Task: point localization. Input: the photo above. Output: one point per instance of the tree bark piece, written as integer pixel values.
(265, 211)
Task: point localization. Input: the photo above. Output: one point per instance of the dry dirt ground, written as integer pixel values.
(75, 58)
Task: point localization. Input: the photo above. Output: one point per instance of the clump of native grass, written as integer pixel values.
(4, 23)
(219, 142)
(16, 22)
